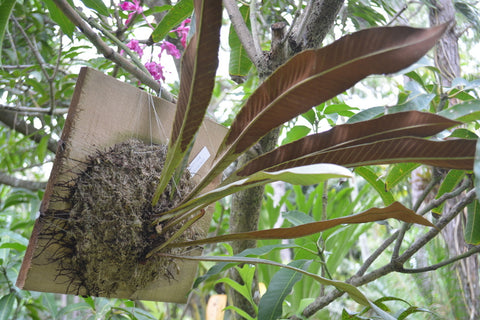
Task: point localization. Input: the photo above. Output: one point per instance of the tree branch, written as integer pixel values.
(11, 120)
(107, 51)
(394, 265)
(314, 24)
(244, 34)
(20, 183)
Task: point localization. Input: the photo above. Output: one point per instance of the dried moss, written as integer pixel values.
(109, 225)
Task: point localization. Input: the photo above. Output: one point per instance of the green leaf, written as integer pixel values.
(271, 303)
(472, 227)
(57, 15)
(463, 134)
(181, 11)
(5, 11)
(13, 245)
(97, 5)
(51, 304)
(476, 169)
(367, 114)
(410, 311)
(296, 133)
(398, 172)
(353, 292)
(42, 147)
(239, 64)
(466, 112)
(448, 184)
(260, 251)
(73, 307)
(6, 306)
(376, 183)
(246, 273)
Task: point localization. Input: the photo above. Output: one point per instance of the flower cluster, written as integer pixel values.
(155, 68)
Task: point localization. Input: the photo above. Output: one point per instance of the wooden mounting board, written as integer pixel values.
(103, 112)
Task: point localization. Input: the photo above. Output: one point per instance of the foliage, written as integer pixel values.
(37, 79)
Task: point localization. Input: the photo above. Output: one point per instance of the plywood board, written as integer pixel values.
(104, 112)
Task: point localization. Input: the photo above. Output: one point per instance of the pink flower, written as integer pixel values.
(135, 46)
(182, 31)
(134, 6)
(170, 48)
(156, 70)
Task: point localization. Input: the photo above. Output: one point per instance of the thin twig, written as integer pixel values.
(32, 111)
(254, 25)
(20, 183)
(107, 51)
(444, 263)
(244, 34)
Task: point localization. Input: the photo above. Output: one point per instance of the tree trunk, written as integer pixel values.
(465, 287)
(246, 204)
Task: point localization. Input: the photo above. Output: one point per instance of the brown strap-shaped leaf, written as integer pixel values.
(315, 76)
(199, 64)
(396, 211)
(452, 154)
(411, 123)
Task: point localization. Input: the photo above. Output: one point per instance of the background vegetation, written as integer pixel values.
(41, 54)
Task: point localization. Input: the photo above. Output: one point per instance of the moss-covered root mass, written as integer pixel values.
(109, 225)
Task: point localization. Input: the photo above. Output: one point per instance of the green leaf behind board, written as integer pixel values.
(370, 176)
(472, 227)
(466, 112)
(6, 9)
(57, 15)
(7, 303)
(271, 303)
(451, 180)
(239, 64)
(181, 11)
(97, 5)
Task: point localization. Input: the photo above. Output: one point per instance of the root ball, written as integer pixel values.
(109, 226)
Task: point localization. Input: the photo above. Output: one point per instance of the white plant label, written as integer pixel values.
(199, 161)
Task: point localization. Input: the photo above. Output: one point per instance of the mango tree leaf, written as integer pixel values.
(395, 210)
(476, 169)
(295, 133)
(366, 114)
(352, 291)
(260, 251)
(181, 11)
(412, 310)
(57, 15)
(199, 64)
(239, 64)
(6, 306)
(72, 308)
(376, 183)
(399, 172)
(6, 9)
(463, 134)
(450, 181)
(271, 303)
(472, 228)
(466, 112)
(97, 5)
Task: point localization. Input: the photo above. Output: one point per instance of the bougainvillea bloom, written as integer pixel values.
(135, 46)
(171, 49)
(134, 7)
(182, 31)
(156, 70)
